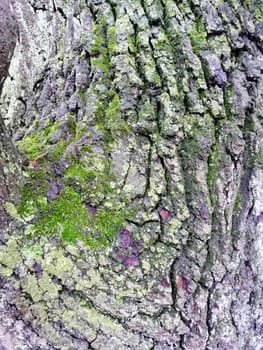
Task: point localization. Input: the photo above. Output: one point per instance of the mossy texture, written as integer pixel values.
(37, 142)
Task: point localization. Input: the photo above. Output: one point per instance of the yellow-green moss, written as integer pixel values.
(198, 37)
(36, 143)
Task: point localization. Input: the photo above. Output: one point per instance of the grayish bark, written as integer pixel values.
(159, 103)
(8, 169)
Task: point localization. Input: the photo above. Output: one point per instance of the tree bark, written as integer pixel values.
(140, 219)
(8, 169)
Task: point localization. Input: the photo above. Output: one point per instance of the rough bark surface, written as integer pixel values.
(8, 169)
(147, 115)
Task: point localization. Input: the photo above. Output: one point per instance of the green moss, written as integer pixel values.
(71, 123)
(162, 43)
(249, 126)
(94, 176)
(132, 44)
(32, 194)
(156, 78)
(68, 217)
(112, 40)
(82, 95)
(88, 180)
(79, 171)
(104, 43)
(59, 217)
(191, 148)
(31, 146)
(107, 112)
(99, 34)
(37, 143)
(238, 204)
(86, 149)
(58, 151)
(102, 63)
(108, 118)
(108, 222)
(198, 37)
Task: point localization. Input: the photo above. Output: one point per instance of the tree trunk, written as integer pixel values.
(8, 162)
(140, 218)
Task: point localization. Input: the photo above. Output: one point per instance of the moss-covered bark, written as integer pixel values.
(139, 219)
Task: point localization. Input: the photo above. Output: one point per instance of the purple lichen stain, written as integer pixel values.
(125, 239)
(54, 190)
(203, 210)
(38, 269)
(165, 283)
(223, 345)
(127, 249)
(58, 169)
(259, 218)
(214, 68)
(165, 214)
(91, 210)
(220, 77)
(183, 284)
(131, 261)
(194, 308)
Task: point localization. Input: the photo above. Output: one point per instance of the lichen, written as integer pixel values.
(256, 8)
(33, 251)
(214, 163)
(12, 210)
(57, 264)
(9, 257)
(30, 286)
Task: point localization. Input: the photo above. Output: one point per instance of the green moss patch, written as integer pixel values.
(67, 216)
(107, 113)
(108, 118)
(198, 37)
(36, 143)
